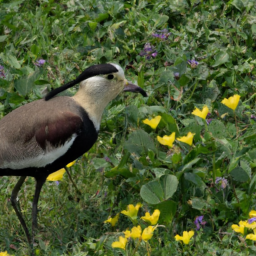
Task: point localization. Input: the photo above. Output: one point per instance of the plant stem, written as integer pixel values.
(213, 169)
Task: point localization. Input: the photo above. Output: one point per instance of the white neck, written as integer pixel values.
(94, 95)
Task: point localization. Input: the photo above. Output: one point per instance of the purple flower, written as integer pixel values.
(148, 51)
(199, 222)
(253, 117)
(154, 54)
(193, 63)
(2, 74)
(162, 34)
(57, 183)
(222, 182)
(40, 62)
(251, 220)
(208, 121)
(177, 75)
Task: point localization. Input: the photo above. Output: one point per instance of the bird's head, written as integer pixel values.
(105, 86)
(100, 79)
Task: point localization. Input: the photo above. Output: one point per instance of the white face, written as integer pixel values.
(96, 92)
(104, 88)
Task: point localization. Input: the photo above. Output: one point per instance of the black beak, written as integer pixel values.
(134, 88)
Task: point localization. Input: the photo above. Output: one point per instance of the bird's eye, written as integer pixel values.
(110, 77)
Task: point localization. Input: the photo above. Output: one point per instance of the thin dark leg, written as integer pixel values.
(15, 206)
(39, 183)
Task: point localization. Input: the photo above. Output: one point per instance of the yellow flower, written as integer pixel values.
(59, 174)
(186, 237)
(70, 164)
(153, 219)
(251, 226)
(4, 253)
(187, 139)
(127, 234)
(120, 244)
(135, 232)
(251, 237)
(113, 220)
(203, 113)
(148, 233)
(132, 211)
(252, 213)
(167, 140)
(153, 123)
(240, 228)
(232, 101)
(56, 175)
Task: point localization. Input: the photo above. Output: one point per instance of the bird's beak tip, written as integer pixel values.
(129, 87)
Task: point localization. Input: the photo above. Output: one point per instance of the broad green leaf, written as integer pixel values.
(238, 4)
(25, 85)
(195, 179)
(220, 58)
(218, 129)
(160, 19)
(167, 210)
(2, 38)
(168, 122)
(13, 61)
(159, 190)
(139, 142)
(199, 203)
(239, 174)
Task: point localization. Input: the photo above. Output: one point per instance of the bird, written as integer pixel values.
(45, 135)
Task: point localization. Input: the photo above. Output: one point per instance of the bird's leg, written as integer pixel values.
(39, 183)
(15, 206)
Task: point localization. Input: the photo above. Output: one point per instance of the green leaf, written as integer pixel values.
(198, 203)
(160, 20)
(195, 179)
(25, 85)
(238, 4)
(139, 142)
(141, 79)
(220, 58)
(239, 174)
(92, 25)
(2, 38)
(159, 190)
(218, 129)
(167, 210)
(13, 61)
(168, 122)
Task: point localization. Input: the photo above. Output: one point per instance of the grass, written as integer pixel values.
(152, 41)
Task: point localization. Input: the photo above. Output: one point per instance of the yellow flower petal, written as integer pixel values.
(187, 139)
(132, 211)
(4, 253)
(120, 244)
(135, 232)
(252, 213)
(56, 175)
(251, 237)
(186, 237)
(231, 102)
(70, 164)
(240, 228)
(148, 233)
(153, 123)
(152, 219)
(251, 226)
(113, 220)
(201, 113)
(127, 233)
(167, 140)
